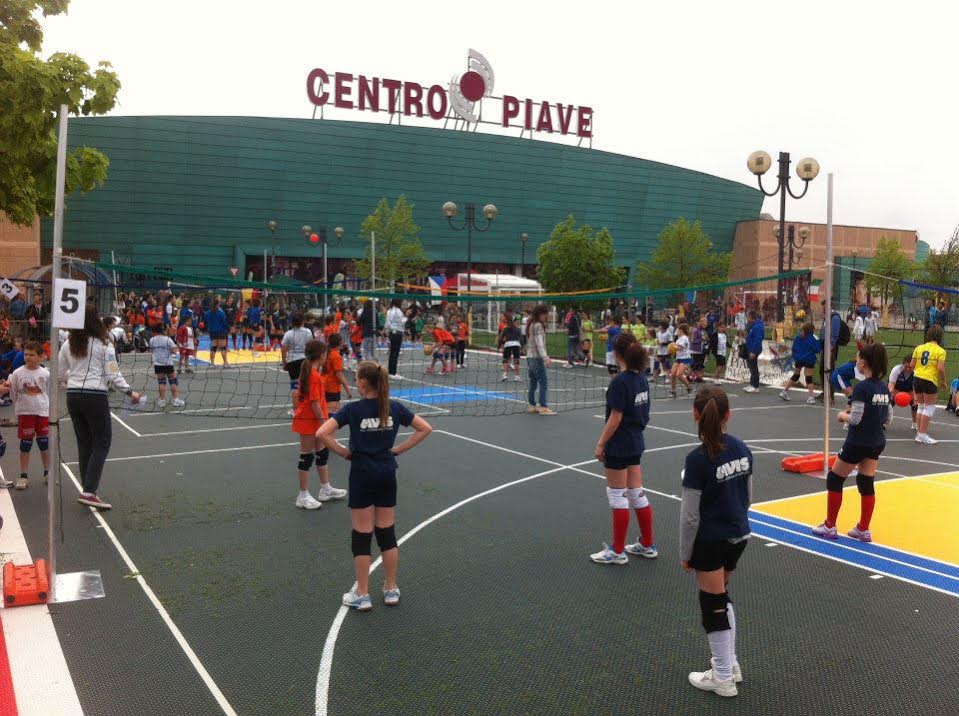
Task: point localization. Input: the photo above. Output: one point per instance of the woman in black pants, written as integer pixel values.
(395, 327)
(88, 366)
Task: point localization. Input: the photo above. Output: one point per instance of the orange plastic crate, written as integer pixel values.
(805, 463)
(24, 585)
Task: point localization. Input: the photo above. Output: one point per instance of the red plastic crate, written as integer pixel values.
(805, 463)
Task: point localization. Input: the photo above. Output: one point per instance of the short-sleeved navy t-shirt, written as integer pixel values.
(874, 394)
(370, 443)
(628, 393)
(724, 483)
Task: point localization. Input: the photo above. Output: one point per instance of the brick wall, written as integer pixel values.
(19, 246)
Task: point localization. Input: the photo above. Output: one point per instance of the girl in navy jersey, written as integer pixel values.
(620, 449)
(867, 416)
(374, 421)
(713, 529)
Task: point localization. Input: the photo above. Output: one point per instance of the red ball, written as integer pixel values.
(314, 238)
(903, 399)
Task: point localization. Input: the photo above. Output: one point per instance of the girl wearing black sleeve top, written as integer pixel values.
(714, 527)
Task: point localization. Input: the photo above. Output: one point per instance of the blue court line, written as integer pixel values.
(446, 395)
(923, 571)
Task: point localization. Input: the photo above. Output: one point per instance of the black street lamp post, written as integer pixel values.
(807, 169)
(271, 225)
(469, 223)
(794, 246)
(523, 238)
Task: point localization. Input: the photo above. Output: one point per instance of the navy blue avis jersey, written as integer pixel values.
(628, 393)
(874, 395)
(724, 484)
(370, 442)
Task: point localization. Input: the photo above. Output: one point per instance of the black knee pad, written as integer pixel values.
(866, 484)
(834, 482)
(26, 445)
(386, 537)
(810, 380)
(306, 461)
(794, 378)
(713, 606)
(361, 543)
(322, 457)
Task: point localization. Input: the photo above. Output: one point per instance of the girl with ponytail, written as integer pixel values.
(713, 530)
(374, 421)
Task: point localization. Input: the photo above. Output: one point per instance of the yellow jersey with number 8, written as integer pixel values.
(928, 358)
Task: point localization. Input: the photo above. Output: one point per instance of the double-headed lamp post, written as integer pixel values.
(469, 223)
(794, 245)
(807, 169)
(523, 238)
(271, 225)
(308, 233)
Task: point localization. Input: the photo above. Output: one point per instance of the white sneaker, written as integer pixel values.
(308, 503)
(810, 401)
(918, 437)
(750, 389)
(737, 672)
(333, 493)
(178, 403)
(397, 376)
(361, 603)
(707, 681)
(640, 551)
(821, 530)
(161, 403)
(928, 440)
(608, 556)
(785, 396)
(391, 597)
(503, 377)
(516, 379)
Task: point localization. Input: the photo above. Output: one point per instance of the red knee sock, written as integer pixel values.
(620, 527)
(868, 504)
(644, 516)
(833, 503)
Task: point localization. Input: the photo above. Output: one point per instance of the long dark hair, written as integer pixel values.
(874, 355)
(92, 328)
(315, 350)
(633, 353)
(537, 316)
(713, 406)
(379, 380)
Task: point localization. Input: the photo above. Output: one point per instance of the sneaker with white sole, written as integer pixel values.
(828, 532)
(608, 556)
(707, 681)
(4, 482)
(92, 500)
(811, 401)
(750, 389)
(360, 602)
(333, 493)
(22, 483)
(928, 440)
(861, 535)
(391, 597)
(178, 403)
(516, 379)
(503, 378)
(308, 502)
(640, 551)
(785, 396)
(532, 409)
(161, 403)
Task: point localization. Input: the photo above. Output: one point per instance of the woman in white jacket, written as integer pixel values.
(88, 367)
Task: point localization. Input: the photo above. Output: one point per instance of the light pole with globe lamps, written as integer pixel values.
(320, 238)
(469, 223)
(523, 238)
(807, 169)
(271, 225)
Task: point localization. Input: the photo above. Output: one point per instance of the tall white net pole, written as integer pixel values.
(827, 329)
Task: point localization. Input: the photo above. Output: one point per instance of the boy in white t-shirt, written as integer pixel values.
(163, 349)
(722, 348)
(29, 386)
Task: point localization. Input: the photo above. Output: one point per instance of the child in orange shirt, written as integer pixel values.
(443, 343)
(333, 379)
(356, 341)
(309, 414)
(462, 340)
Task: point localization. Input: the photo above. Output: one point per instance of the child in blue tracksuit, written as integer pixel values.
(714, 529)
(805, 349)
(843, 377)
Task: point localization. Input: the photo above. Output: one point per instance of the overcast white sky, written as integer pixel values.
(866, 88)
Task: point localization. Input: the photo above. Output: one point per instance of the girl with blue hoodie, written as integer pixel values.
(805, 349)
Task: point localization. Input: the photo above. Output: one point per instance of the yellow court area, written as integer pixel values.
(915, 514)
(242, 357)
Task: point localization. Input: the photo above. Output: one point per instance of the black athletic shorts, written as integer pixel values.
(511, 352)
(802, 364)
(217, 335)
(376, 489)
(293, 368)
(164, 369)
(333, 397)
(720, 361)
(614, 462)
(710, 556)
(854, 454)
(923, 386)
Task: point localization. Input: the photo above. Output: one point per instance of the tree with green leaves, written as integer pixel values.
(683, 258)
(578, 258)
(941, 268)
(31, 92)
(889, 266)
(399, 254)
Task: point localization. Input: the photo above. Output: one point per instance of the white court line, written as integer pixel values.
(117, 418)
(177, 634)
(215, 430)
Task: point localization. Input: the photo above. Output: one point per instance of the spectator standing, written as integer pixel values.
(754, 348)
(572, 338)
(36, 315)
(395, 327)
(835, 327)
(537, 360)
(367, 323)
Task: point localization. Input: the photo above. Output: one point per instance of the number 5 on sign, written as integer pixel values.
(69, 303)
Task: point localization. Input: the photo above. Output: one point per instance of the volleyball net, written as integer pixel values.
(457, 351)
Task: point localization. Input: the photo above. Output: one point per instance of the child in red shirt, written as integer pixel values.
(309, 414)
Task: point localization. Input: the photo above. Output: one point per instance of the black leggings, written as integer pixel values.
(90, 415)
(396, 343)
(460, 352)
